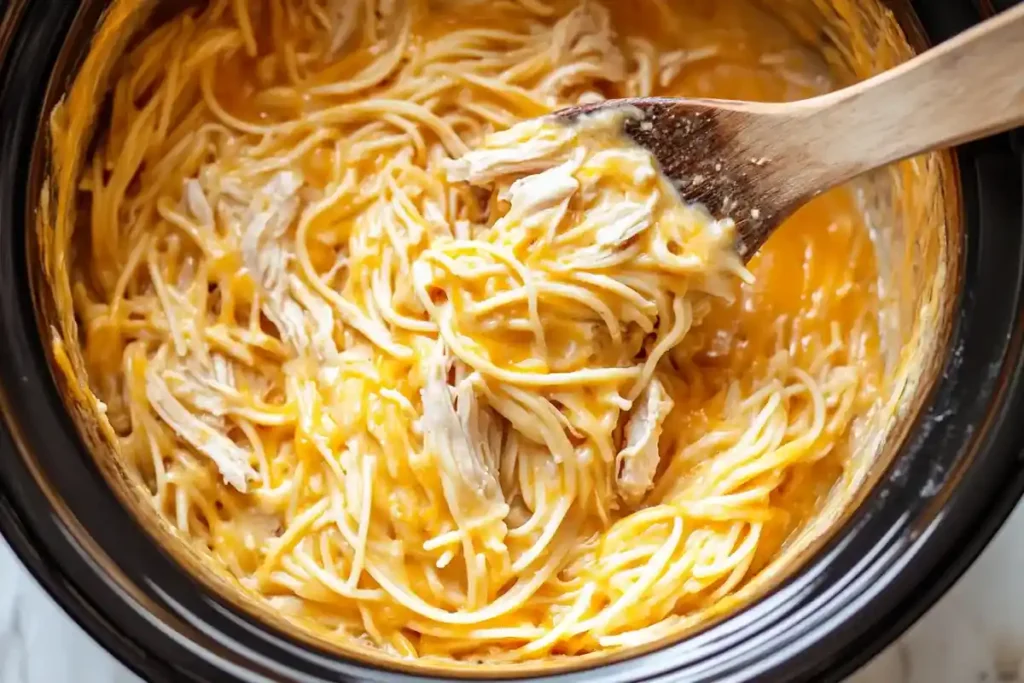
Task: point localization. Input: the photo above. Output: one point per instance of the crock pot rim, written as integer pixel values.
(929, 540)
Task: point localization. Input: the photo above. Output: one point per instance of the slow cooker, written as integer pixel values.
(924, 515)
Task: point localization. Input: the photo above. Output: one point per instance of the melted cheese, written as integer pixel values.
(420, 375)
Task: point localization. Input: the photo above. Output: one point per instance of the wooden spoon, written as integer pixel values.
(758, 162)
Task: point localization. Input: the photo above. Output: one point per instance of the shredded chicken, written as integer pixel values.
(270, 213)
(458, 435)
(231, 459)
(584, 51)
(324, 262)
(621, 222)
(542, 199)
(528, 147)
(637, 463)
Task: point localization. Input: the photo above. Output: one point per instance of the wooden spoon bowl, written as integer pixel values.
(758, 162)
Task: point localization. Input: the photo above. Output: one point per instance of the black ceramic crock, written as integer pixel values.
(952, 484)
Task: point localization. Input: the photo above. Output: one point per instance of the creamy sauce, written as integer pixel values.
(797, 348)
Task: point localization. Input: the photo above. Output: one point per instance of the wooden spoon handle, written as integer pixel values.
(964, 89)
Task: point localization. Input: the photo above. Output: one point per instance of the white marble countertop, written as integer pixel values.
(975, 634)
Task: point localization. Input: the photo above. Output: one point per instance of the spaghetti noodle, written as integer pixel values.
(421, 375)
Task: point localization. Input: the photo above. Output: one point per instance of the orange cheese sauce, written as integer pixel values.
(814, 278)
(817, 275)
(814, 295)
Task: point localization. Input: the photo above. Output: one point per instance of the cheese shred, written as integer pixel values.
(424, 368)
